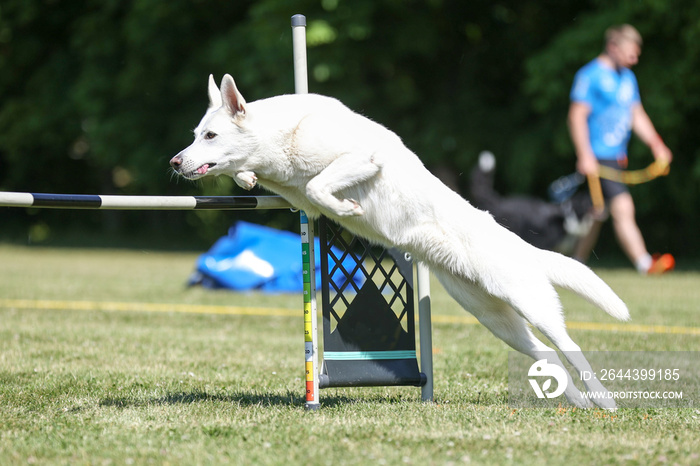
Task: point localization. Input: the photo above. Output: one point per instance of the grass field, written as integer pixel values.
(105, 358)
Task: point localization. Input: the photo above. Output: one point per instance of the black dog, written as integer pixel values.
(547, 225)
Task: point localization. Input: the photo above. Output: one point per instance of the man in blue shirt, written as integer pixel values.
(605, 109)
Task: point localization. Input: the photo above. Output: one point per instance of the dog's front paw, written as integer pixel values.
(350, 208)
(246, 180)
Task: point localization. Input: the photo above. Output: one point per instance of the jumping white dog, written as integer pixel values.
(327, 160)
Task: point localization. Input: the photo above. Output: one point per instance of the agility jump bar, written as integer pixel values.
(115, 202)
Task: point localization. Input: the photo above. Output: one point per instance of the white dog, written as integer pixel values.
(327, 160)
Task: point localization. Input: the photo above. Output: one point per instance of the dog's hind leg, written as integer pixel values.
(508, 325)
(600, 395)
(345, 171)
(552, 325)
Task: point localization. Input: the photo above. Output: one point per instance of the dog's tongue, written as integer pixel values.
(203, 169)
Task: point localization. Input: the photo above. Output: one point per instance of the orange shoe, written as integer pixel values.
(661, 264)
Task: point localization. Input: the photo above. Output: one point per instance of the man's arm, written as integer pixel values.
(586, 162)
(644, 129)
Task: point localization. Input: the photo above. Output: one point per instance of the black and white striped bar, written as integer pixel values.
(113, 202)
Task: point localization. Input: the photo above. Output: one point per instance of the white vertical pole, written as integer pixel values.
(301, 86)
(301, 82)
(425, 329)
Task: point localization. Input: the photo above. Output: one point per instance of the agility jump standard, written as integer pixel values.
(352, 365)
(353, 357)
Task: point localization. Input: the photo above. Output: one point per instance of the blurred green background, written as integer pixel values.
(97, 95)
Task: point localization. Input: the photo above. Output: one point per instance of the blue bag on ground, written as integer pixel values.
(256, 257)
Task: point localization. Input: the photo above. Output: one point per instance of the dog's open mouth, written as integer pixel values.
(201, 171)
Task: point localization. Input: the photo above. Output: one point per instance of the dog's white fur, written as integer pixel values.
(327, 160)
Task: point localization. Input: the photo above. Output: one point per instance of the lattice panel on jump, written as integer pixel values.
(368, 325)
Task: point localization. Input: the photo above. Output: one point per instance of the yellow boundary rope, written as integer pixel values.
(106, 306)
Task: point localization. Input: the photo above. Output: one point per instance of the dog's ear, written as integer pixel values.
(233, 100)
(214, 94)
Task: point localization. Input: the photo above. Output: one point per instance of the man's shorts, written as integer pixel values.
(611, 188)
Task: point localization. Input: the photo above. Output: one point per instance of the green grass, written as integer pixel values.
(123, 387)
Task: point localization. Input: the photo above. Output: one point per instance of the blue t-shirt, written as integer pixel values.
(610, 94)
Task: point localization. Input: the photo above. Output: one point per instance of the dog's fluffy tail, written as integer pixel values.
(574, 276)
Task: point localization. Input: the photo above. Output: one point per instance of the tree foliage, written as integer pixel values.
(96, 96)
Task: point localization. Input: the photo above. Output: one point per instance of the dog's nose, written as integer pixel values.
(176, 162)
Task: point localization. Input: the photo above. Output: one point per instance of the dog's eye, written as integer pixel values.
(210, 135)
